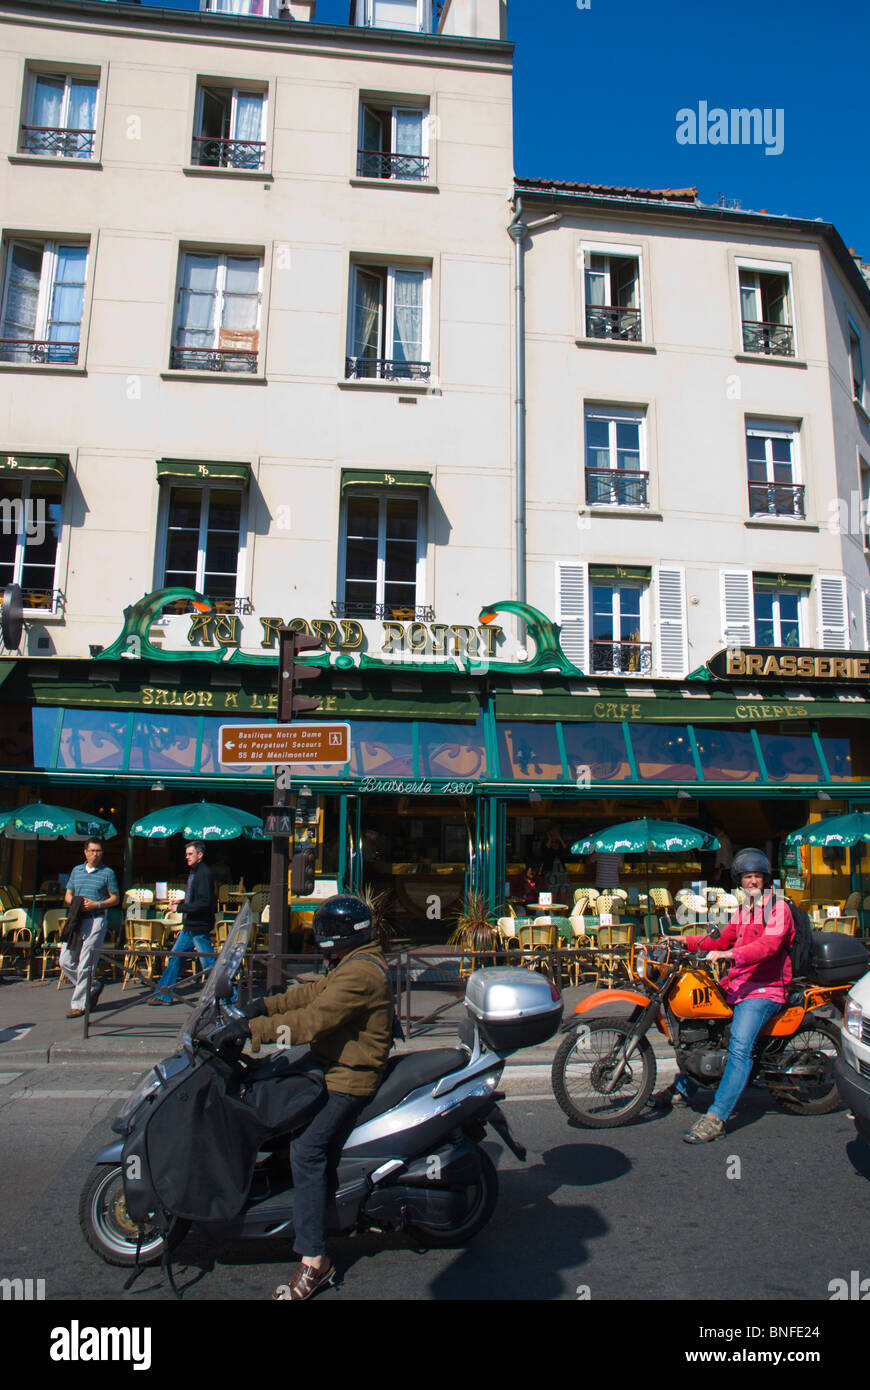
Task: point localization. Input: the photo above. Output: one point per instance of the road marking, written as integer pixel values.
(15, 1034)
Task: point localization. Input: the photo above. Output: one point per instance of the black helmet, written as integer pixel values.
(750, 861)
(343, 921)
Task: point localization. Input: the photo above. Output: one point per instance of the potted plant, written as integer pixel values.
(379, 905)
(475, 931)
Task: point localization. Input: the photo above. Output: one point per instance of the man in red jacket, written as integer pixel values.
(756, 941)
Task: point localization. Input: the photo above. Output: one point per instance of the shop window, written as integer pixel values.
(846, 748)
(388, 324)
(382, 556)
(30, 526)
(164, 743)
(663, 752)
(727, 755)
(615, 472)
(43, 301)
(381, 749)
(45, 721)
(452, 751)
(60, 116)
(790, 757)
(393, 141)
(529, 752)
(92, 739)
(203, 546)
(600, 748)
(217, 316)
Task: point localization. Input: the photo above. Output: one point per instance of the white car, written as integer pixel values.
(853, 1067)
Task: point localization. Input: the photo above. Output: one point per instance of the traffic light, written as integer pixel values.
(302, 873)
(292, 643)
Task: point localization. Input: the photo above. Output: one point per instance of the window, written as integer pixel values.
(60, 116)
(203, 546)
(857, 360)
(383, 556)
(395, 14)
(251, 7)
(771, 460)
(43, 297)
(611, 296)
(217, 324)
(614, 459)
(864, 472)
(30, 523)
(618, 620)
(393, 142)
(229, 128)
(777, 616)
(766, 312)
(389, 324)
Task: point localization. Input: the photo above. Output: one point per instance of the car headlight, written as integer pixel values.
(853, 1017)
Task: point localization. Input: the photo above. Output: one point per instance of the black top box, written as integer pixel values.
(837, 959)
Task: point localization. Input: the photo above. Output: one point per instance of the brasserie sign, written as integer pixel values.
(777, 663)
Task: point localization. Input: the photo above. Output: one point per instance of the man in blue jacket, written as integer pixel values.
(197, 910)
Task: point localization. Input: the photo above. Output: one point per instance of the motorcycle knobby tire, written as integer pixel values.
(643, 1058)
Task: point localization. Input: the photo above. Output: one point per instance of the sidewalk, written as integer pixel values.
(124, 1029)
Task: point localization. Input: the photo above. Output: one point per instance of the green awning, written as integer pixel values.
(54, 466)
(725, 706)
(196, 471)
(775, 582)
(613, 574)
(381, 477)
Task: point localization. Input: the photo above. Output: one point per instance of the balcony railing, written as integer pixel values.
(43, 600)
(38, 350)
(772, 339)
(375, 164)
(616, 488)
(241, 607)
(402, 613)
(776, 499)
(613, 321)
(386, 369)
(228, 154)
(621, 658)
(212, 360)
(56, 141)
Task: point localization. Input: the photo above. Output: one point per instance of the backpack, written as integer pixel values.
(800, 950)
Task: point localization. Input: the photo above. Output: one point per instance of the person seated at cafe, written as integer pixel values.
(528, 885)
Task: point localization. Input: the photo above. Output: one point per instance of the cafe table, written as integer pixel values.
(546, 909)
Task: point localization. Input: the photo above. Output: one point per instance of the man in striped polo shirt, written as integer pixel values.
(95, 883)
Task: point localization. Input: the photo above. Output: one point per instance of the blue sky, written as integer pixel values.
(597, 93)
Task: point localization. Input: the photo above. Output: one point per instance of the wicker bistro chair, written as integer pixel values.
(615, 954)
(51, 945)
(847, 925)
(16, 939)
(142, 940)
(852, 905)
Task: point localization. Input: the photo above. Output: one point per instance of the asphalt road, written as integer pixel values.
(775, 1211)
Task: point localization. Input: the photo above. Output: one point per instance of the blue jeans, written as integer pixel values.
(750, 1016)
(313, 1158)
(185, 941)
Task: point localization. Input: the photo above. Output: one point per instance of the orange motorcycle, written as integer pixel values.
(605, 1069)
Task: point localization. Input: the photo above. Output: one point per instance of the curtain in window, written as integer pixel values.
(197, 295)
(395, 14)
(24, 268)
(82, 105)
(242, 296)
(249, 116)
(366, 316)
(48, 102)
(64, 325)
(408, 333)
(409, 132)
(596, 279)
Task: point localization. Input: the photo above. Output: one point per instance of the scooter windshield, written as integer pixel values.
(222, 974)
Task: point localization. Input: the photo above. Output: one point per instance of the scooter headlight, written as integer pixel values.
(853, 1017)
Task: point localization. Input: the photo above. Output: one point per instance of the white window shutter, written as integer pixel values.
(833, 614)
(671, 617)
(738, 613)
(572, 606)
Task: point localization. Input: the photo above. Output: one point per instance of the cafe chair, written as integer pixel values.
(507, 930)
(16, 939)
(615, 952)
(608, 902)
(847, 925)
(852, 905)
(51, 945)
(142, 942)
(590, 894)
(259, 902)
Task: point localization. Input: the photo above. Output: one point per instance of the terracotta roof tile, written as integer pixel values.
(664, 195)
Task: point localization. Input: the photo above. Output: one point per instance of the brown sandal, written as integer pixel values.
(305, 1282)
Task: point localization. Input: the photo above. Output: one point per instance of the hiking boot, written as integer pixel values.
(705, 1129)
(668, 1098)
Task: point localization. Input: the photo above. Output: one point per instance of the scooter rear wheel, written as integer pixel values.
(483, 1205)
(110, 1230)
(583, 1070)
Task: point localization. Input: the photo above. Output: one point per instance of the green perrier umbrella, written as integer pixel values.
(644, 836)
(841, 832)
(39, 821)
(199, 820)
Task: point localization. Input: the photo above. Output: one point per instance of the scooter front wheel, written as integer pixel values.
(110, 1230)
(482, 1205)
(592, 1080)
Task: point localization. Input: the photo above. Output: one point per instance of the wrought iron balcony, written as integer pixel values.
(776, 499)
(621, 658)
(241, 607)
(402, 613)
(56, 141)
(38, 351)
(43, 600)
(386, 369)
(772, 339)
(375, 164)
(613, 321)
(616, 488)
(212, 360)
(228, 154)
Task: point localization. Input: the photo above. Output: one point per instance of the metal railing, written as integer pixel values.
(622, 658)
(241, 607)
(406, 613)
(375, 164)
(57, 141)
(213, 359)
(209, 152)
(613, 321)
(386, 369)
(776, 499)
(39, 352)
(772, 339)
(616, 487)
(43, 600)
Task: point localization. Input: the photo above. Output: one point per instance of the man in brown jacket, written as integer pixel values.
(346, 1018)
